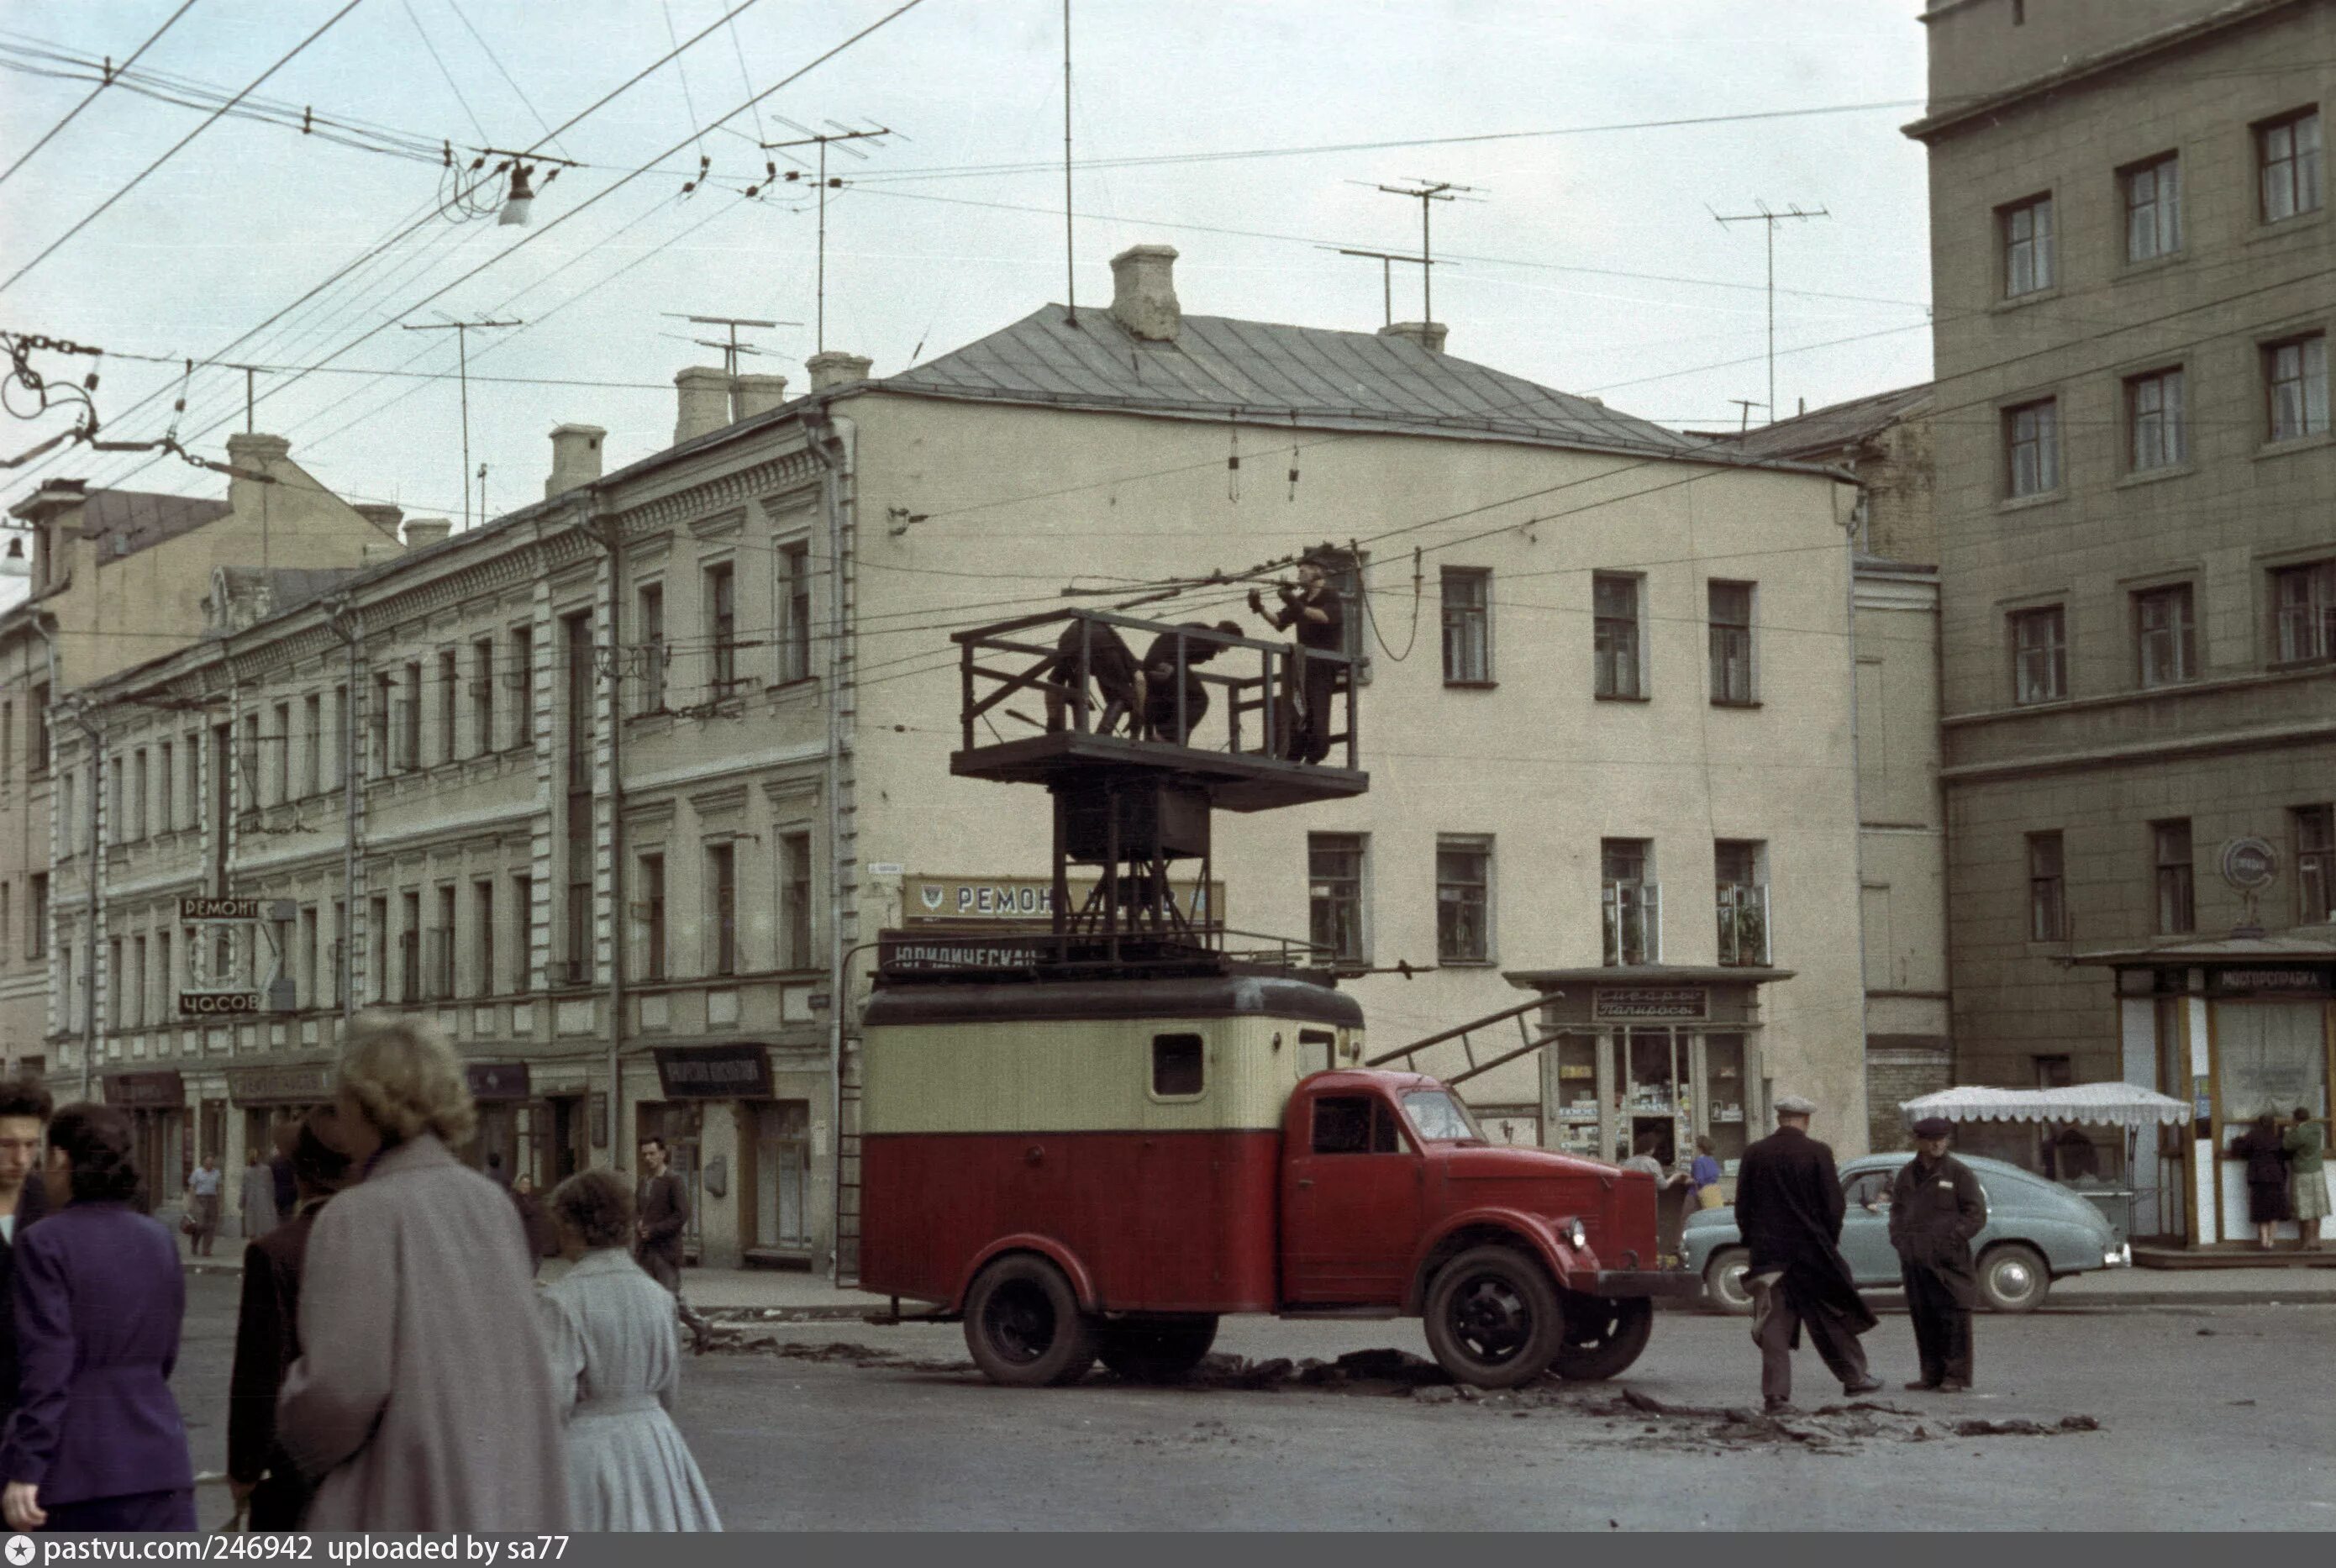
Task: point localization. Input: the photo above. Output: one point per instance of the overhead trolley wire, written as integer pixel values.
(74, 113)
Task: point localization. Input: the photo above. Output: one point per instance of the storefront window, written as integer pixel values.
(2271, 1056)
(1575, 1095)
(1723, 1118)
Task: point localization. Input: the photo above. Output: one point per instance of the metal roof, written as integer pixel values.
(1828, 430)
(125, 522)
(1217, 366)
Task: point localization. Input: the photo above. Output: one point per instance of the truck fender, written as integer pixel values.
(1568, 1269)
(1046, 1247)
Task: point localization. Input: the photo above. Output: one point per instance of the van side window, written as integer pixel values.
(1315, 1047)
(1176, 1066)
(1355, 1125)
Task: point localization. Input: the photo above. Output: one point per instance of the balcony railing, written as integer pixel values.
(1743, 910)
(1634, 923)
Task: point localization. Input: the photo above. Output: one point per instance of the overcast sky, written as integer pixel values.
(1588, 261)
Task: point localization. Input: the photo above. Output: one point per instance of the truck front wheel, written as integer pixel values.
(1603, 1335)
(1023, 1326)
(1493, 1318)
(1155, 1349)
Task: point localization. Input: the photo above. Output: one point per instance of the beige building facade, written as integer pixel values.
(641, 770)
(2136, 503)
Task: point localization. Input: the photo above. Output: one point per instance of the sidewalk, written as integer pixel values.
(789, 1293)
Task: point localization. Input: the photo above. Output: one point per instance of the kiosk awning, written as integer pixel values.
(2104, 1105)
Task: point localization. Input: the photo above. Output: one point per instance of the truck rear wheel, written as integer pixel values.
(1023, 1326)
(1493, 1318)
(1603, 1335)
(1155, 1349)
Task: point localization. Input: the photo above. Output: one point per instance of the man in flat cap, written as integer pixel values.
(1788, 1206)
(1935, 1210)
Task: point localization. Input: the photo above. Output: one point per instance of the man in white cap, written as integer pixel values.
(1788, 1207)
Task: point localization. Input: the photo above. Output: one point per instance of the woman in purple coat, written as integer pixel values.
(96, 1442)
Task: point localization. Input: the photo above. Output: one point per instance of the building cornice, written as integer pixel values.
(2068, 73)
(2225, 742)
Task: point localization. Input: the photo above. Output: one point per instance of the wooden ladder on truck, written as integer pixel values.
(1530, 1040)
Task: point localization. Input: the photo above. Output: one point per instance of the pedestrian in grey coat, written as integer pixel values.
(423, 1398)
(618, 1363)
(259, 1215)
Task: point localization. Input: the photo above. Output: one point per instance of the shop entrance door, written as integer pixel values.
(783, 1177)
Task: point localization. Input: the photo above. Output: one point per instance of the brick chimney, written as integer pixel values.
(837, 368)
(1429, 335)
(704, 402)
(253, 453)
(381, 514)
(753, 394)
(575, 457)
(1143, 292)
(422, 532)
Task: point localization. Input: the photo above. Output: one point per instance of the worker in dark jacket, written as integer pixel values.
(1788, 1207)
(260, 1473)
(24, 1198)
(1935, 1209)
(661, 1209)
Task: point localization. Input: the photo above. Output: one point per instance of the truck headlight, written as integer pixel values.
(1576, 1233)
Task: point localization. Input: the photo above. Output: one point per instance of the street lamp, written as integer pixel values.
(519, 202)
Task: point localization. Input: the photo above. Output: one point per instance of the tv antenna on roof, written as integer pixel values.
(844, 137)
(1386, 260)
(1769, 220)
(1427, 193)
(462, 331)
(732, 348)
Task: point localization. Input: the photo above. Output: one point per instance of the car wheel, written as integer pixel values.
(2012, 1278)
(1723, 1280)
(1154, 1349)
(1023, 1326)
(1603, 1335)
(1494, 1317)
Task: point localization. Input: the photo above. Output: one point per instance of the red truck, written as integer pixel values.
(1103, 1168)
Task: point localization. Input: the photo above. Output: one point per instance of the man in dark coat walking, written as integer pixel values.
(24, 1198)
(1936, 1207)
(1788, 1207)
(661, 1206)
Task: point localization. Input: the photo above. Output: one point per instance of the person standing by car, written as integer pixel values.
(1936, 1207)
(1789, 1208)
(2306, 1146)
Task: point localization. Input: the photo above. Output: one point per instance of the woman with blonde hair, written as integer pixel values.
(615, 1357)
(423, 1398)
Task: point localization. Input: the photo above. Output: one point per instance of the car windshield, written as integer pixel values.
(1438, 1118)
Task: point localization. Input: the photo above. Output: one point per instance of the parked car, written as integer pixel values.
(2037, 1231)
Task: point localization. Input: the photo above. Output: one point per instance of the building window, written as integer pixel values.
(722, 907)
(2287, 150)
(409, 945)
(166, 1007)
(139, 784)
(449, 683)
(1732, 643)
(1464, 905)
(2039, 655)
(650, 629)
(1335, 906)
(7, 743)
(483, 940)
(377, 942)
(794, 605)
(2177, 908)
(2315, 864)
(794, 900)
(36, 932)
(483, 696)
(2156, 435)
(1630, 901)
(409, 719)
(2303, 607)
(1615, 610)
(1467, 626)
(2164, 638)
(2152, 209)
(523, 933)
(441, 947)
(580, 929)
(2295, 387)
(2031, 448)
(1740, 872)
(312, 743)
(36, 748)
(652, 908)
(2048, 912)
(522, 679)
(722, 628)
(2026, 227)
(279, 763)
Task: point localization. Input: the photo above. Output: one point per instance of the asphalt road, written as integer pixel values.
(2209, 1418)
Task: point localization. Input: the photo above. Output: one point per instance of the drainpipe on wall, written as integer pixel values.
(350, 630)
(609, 533)
(1856, 806)
(832, 442)
(96, 795)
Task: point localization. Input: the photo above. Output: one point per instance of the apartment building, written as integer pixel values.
(2131, 252)
(118, 577)
(640, 768)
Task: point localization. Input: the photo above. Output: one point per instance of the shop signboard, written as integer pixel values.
(145, 1091)
(1651, 1002)
(309, 1086)
(219, 1003)
(1028, 900)
(496, 1080)
(2273, 980)
(2249, 864)
(740, 1072)
(901, 950)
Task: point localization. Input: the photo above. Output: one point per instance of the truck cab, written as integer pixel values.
(1106, 1167)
